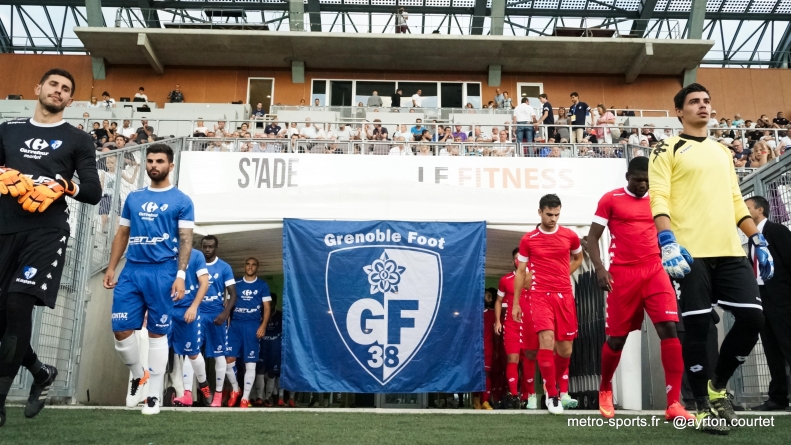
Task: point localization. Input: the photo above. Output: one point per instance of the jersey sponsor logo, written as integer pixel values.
(148, 241)
(208, 298)
(29, 272)
(120, 316)
(150, 207)
(396, 308)
(34, 148)
(244, 310)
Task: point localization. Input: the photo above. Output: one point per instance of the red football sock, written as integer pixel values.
(673, 363)
(512, 374)
(609, 361)
(528, 377)
(546, 363)
(562, 372)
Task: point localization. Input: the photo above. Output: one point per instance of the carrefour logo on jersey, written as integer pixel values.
(35, 147)
(149, 209)
(248, 294)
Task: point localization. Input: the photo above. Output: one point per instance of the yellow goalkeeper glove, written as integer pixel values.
(46, 193)
(14, 183)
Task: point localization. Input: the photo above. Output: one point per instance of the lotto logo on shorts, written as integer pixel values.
(405, 281)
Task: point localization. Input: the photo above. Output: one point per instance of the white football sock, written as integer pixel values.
(130, 355)
(259, 385)
(199, 366)
(249, 378)
(270, 386)
(219, 373)
(157, 364)
(230, 372)
(279, 389)
(188, 373)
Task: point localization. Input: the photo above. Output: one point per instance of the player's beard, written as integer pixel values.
(51, 108)
(159, 176)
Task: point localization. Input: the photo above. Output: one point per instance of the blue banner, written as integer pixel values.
(383, 306)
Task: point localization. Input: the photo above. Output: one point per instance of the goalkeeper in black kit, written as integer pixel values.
(697, 206)
(38, 159)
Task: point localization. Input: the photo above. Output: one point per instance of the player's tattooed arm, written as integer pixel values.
(185, 247)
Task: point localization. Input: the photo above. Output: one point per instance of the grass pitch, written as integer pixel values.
(299, 426)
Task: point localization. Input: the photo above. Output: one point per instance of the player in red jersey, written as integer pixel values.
(636, 281)
(552, 307)
(488, 349)
(516, 339)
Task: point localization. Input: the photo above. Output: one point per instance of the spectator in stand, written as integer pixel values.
(403, 132)
(737, 120)
(417, 99)
(86, 115)
(498, 98)
(244, 128)
(426, 136)
(144, 132)
(785, 141)
(259, 113)
(80, 127)
(379, 132)
(345, 133)
(200, 130)
(375, 100)
(507, 101)
(469, 107)
(126, 130)
(100, 132)
(525, 118)
(141, 94)
(461, 135)
(741, 156)
(401, 19)
(490, 105)
(547, 115)
(648, 132)
(636, 138)
(94, 103)
(395, 99)
(220, 130)
(309, 131)
(107, 101)
(424, 150)
(495, 134)
(563, 121)
(316, 103)
(628, 112)
(780, 120)
(605, 120)
(768, 138)
(417, 130)
(272, 128)
(477, 136)
(176, 96)
(577, 114)
(447, 136)
(761, 155)
(400, 148)
(713, 122)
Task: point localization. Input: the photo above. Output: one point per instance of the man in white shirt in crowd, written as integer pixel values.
(200, 129)
(141, 94)
(309, 131)
(524, 118)
(713, 121)
(401, 148)
(344, 133)
(477, 136)
(220, 131)
(785, 142)
(375, 100)
(417, 99)
(402, 132)
(126, 130)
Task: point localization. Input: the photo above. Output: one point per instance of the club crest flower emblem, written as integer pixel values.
(384, 275)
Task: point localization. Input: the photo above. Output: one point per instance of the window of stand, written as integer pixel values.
(346, 93)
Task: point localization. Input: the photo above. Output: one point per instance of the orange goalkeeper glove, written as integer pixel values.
(46, 193)
(14, 183)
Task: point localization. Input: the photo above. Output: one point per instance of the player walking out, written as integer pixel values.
(696, 202)
(186, 339)
(519, 339)
(488, 349)
(270, 360)
(214, 316)
(636, 282)
(156, 223)
(248, 325)
(38, 158)
(552, 305)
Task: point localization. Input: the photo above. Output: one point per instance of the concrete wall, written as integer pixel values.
(750, 92)
(101, 373)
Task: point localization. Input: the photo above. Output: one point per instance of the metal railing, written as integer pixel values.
(359, 112)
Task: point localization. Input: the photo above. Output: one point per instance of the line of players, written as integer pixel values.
(544, 332)
(180, 292)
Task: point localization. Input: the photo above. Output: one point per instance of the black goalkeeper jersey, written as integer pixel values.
(44, 152)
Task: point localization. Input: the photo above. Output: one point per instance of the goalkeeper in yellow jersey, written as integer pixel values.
(697, 206)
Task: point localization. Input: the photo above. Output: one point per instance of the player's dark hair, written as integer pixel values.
(161, 148)
(253, 258)
(493, 292)
(59, 72)
(759, 202)
(638, 164)
(543, 95)
(574, 94)
(681, 96)
(274, 300)
(549, 201)
(515, 251)
(211, 238)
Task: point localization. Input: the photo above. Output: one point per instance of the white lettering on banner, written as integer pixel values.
(434, 188)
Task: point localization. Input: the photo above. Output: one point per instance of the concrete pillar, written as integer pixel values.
(297, 71)
(296, 15)
(498, 17)
(495, 72)
(697, 14)
(93, 12)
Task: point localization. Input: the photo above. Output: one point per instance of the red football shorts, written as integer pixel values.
(514, 330)
(635, 289)
(554, 312)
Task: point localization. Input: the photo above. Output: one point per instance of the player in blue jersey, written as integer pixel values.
(156, 224)
(269, 361)
(248, 324)
(186, 339)
(214, 316)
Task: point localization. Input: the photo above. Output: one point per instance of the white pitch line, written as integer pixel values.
(575, 412)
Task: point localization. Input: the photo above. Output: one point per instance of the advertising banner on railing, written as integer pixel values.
(262, 187)
(383, 306)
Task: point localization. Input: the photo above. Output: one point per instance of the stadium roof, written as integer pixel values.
(746, 32)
